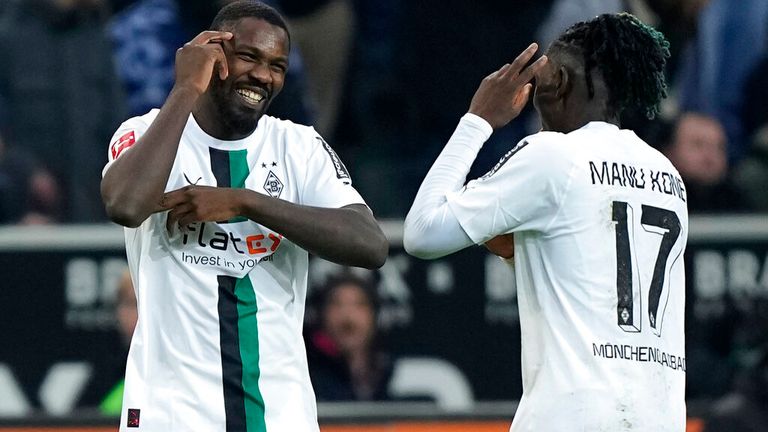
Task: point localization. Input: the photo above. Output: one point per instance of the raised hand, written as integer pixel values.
(197, 60)
(504, 93)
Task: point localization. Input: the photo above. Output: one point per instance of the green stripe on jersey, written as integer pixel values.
(248, 330)
(238, 172)
(238, 168)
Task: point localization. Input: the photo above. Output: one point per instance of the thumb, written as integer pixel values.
(223, 70)
(220, 63)
(522, 96)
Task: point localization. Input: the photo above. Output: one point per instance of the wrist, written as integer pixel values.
(246, 202)
(477, 122)
(185, 92)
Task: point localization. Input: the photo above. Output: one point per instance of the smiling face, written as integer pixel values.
(257, 58)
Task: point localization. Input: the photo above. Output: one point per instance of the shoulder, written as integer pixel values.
(298, 137)
(550, 149)
(285, 126)
(140, 122)
(662, 159)
(544, 154)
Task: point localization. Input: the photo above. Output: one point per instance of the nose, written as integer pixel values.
(260, 72)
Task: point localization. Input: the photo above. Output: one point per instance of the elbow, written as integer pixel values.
(415, 249)
(377, 253)
(123, 216)
(121, 212)
(414, 244)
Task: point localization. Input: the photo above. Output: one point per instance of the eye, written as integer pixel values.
(279, 67)
(246, 56)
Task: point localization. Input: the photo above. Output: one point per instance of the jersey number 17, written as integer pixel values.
(656, 221)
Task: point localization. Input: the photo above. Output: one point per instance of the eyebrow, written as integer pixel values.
(244, 47)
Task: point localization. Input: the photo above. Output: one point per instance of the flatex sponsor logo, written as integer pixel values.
(254, 248)
(208, 236)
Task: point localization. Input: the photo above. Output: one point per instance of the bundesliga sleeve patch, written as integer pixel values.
(338, 165)
(123, 143)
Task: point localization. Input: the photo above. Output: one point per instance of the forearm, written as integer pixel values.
(133, 186)
(431, 230)
(347, 236)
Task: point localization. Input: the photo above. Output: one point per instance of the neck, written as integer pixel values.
(213, 122)
(570, 123)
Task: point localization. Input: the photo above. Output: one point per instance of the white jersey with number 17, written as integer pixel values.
(600, 224)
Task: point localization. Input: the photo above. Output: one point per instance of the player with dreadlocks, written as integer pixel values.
(593, 221)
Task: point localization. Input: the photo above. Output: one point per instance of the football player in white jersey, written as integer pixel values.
(221, 204)
(593, 220)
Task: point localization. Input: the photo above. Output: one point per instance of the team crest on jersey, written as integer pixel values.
(341, 170)
(504, 160)
(123, 143)
(273, 185)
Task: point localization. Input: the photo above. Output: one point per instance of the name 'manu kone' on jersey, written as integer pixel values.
(600, 222)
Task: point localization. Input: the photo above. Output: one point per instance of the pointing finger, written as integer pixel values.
(523, 59)
(532, 70)
(210, 36)
(173, 198)
(175, 215)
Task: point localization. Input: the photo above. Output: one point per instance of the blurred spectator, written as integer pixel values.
(127, 315)
(698, 151)
(323, 30)
(731, 39)
(346, 362)
(28, 192)
(58, 88)
(146, 37)
(751, 175)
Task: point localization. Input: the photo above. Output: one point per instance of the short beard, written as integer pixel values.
(234, 121)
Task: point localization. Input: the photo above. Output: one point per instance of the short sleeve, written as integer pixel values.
(521, 193)
(327, 183)
(126, 136)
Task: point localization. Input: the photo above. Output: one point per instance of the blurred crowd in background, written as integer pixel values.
(384, 81)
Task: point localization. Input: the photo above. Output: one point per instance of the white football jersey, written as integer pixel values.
(600, 224)
(218, 344)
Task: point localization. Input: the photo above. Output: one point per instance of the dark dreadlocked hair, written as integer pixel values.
(631, 56)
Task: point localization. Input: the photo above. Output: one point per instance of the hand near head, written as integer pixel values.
(192, 204)
(199, 58)
(504, 93)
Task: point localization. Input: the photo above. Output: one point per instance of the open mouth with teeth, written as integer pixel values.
(250, 97)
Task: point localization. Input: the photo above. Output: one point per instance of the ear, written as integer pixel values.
(564, 83)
